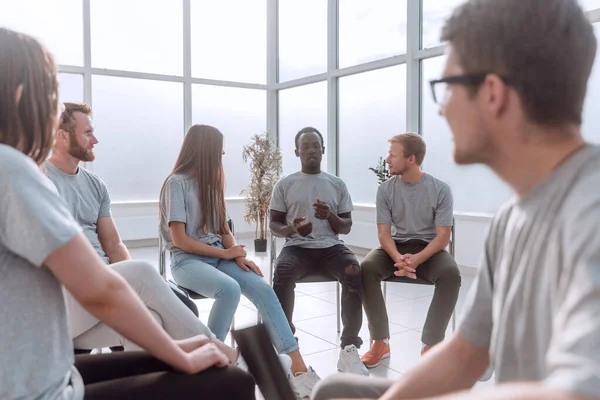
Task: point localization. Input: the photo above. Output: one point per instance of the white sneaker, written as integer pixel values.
(303, 383)
(350, 361)
(487, 374)
(284, 359)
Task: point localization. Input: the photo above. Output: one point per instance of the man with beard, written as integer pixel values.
(414, 223)
(88, 198)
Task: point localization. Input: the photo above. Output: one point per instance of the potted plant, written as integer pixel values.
(381, 170)
(265, 169)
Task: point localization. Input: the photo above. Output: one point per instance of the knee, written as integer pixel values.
(451, 276)
(230, 290)
(369, 269)
(353, 276)
(137, 271)
(284, 273)
(353, 270)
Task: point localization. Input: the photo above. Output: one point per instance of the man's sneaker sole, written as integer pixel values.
(385, 355)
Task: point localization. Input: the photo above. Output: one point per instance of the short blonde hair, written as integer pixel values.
(413, 144)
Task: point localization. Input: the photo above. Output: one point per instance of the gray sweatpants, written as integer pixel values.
(350, 386)
(177, 320)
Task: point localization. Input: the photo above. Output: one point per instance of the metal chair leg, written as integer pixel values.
(337, 292)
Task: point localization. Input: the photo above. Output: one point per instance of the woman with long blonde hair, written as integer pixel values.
(205, 256)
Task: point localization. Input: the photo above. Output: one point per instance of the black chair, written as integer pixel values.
(312, 278)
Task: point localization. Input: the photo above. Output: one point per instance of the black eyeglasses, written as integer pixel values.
(439, 87)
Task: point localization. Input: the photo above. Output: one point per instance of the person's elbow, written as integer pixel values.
(179, 241)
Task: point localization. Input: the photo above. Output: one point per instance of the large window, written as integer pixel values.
(435, 13)
(298, 108)
(139, 126)
(70, 88)
(589, 4)
(229, 40)
(591, 118)
(58, 24)
(302, 38)
(238, 114)
(138, 35)
(371, 30)
(372, 110)
(475, 188)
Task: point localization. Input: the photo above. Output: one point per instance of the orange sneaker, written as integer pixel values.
(377, 352)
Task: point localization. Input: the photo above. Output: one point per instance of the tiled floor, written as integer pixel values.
(315, 319)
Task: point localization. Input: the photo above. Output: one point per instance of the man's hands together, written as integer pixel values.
(407, 265)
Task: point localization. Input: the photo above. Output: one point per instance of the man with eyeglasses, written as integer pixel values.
(516, 79)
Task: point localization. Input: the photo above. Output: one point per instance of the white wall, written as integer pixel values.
(139, 221)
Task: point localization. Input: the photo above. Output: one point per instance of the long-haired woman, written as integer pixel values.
(42, 249)
(205, 256)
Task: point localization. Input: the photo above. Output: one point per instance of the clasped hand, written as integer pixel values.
(407, 265)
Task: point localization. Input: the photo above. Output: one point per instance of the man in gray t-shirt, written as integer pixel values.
(88, 199)
(414, 223)
(533, 311)
(310, 208)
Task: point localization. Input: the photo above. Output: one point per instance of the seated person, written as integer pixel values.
(88, 200)
(533, 311)
(42, 248)
(310, 208)
(414, 223)
(204, 255)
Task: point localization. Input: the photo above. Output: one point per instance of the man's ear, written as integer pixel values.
(323, 150)
(296, 152)
(61, 134)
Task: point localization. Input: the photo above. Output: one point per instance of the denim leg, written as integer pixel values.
(258, 291)
(196, 273)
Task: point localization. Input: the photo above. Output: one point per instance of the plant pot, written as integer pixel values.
(260, 245)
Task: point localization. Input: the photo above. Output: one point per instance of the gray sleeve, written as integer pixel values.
(345, 204)
(174, 198)
(384, 211)
(278, 198)
(573, 359)
(445, 209)
(104, 202)
(34, 220)
(477, 323)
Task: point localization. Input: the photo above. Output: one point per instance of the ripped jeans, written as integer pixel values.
(338, 261)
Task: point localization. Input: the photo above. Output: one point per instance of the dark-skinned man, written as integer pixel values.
(310, 208)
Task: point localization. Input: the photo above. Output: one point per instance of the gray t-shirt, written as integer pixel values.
(36, 352)
(295, 195)
(536, 300)
(180, 203)
(87, 198)
(414, 210)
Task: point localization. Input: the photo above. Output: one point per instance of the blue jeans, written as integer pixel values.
(224, 281)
